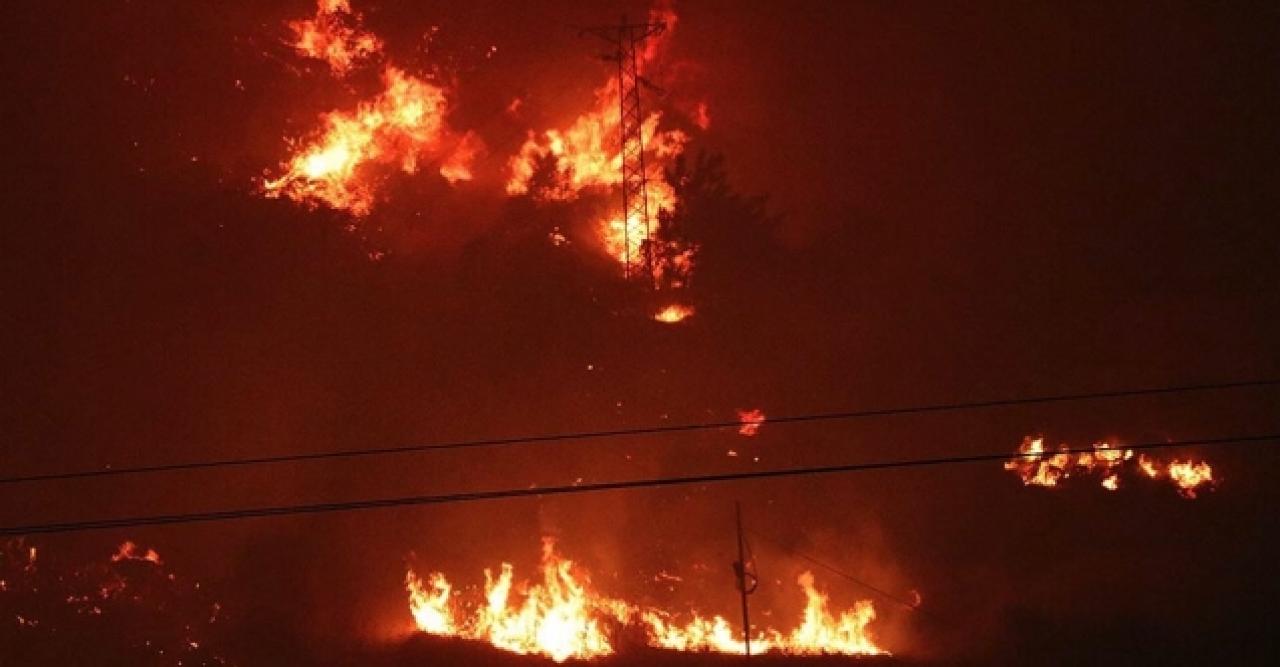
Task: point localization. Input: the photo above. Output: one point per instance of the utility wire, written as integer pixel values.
(471, 496)
(836, 571)
(643, 430)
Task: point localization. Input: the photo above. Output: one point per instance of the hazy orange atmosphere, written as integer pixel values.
(659, 332)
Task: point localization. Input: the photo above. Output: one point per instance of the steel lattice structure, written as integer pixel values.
(625, 38)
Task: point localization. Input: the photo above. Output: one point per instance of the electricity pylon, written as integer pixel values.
(625, 37)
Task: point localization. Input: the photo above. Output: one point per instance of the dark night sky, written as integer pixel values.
(965, 202)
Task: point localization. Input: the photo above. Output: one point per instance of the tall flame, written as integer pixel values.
(563, 617)
(396, 128)
(673, 313)
(558, 618)
(819, 633)
(1039, 467)
(588, 154)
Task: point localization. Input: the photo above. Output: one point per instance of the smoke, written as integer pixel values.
(160, 312)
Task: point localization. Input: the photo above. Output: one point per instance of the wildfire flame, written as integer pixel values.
(1038, 467)
(457, 166)
(558, 618)
(588, 154)
(130, 551)
(563, 617)
(673, 313)
(396, 129)
(751, 421)
(334, 36)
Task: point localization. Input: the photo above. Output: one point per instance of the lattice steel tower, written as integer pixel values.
(625, 37)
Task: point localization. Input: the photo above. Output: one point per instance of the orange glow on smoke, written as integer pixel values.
(674, 313)
(562, 617)
(1039, 467)
(751, 421)
(334, 36)
(396, 130)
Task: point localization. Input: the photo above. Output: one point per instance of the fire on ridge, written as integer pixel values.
(344, 163)
(1038, 466)
(399, 128)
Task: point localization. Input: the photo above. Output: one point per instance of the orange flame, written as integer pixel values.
(587, 154)
(674, 313)
(751, 421)
(457, 166)
(430, 603)
(558, 618)
(403, 124)
(562, 618)
(1038, 467)
(819, 633)
(334, 36)
(395, 129)
(1188, 476)
(130, 551)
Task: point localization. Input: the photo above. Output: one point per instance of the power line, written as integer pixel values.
(837, 571)
(626, 432)
(471, 496)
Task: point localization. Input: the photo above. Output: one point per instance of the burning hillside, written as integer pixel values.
(398, 128)
(590, 154)
(563, 617)
(1047, 468)
(403, 126)
(296, 289)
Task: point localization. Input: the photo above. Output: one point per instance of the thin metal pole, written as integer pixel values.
(622, 151)
(644, 174)
(741, 570)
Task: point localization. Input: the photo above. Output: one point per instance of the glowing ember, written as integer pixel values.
(396, 129)
(562, 618)
(1038, 467)
(130, 551)
(702, 116)
(136, 611)
(334, 36)
(673, 313)
(819, 632)
(751, 421)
